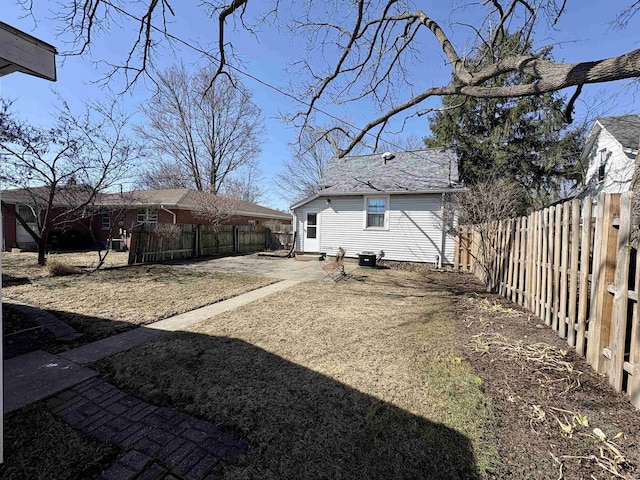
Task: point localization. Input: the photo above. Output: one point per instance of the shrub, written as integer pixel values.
(56, 268)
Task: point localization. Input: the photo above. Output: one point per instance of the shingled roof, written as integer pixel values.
(625, 129)
(180, 198)
(186, 199)
(415, 171)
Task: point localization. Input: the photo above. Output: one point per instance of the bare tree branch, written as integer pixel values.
(203, 133)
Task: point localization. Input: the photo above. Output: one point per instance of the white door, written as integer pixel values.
(311, 231)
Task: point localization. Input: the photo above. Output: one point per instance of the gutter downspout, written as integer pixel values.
(169, 211)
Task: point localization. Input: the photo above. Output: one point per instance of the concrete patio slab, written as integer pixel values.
(277, 267)
(37, 375)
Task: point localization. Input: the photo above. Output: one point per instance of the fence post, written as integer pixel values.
(456, 248)
(133, 245)
(528, 302)
(573, 279)
(539, 253)
(600, 321)
(592, 339)
(585, 252)
(633, 385)
(505, 231)
(543, 264)
(621, 295)
(510, 258)
(564, 271)
(549, 273)
(557, 254)
(522, 232)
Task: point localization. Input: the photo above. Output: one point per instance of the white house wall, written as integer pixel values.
(414, 233)
(618, 170)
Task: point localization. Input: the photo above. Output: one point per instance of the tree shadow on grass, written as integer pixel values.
(10, 280)
(301, 424)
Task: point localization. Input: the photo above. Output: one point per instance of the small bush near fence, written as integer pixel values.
(573, 266)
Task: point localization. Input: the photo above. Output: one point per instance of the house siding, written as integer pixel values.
(618, 170)
(414, 231)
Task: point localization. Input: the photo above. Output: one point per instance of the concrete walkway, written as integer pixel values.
(158, 442)
(37, 375)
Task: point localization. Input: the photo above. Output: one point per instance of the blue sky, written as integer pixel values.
(584, 33)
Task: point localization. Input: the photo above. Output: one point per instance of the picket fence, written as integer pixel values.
(574, 267)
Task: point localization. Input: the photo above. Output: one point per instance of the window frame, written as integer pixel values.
(147, 215)
(385, 225)
(107, 216)
(601, 173)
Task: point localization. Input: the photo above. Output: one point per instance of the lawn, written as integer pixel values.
(24, 265)
(360, 379)
(110, 301)
(38, 445)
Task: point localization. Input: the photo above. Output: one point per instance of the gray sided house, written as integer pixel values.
(396, 203)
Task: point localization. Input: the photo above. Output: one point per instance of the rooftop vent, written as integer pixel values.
(386, 156)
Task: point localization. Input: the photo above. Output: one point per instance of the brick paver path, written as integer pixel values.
(160, 443)
(57, 327)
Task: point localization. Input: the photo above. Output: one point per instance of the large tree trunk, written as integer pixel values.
(42, 250)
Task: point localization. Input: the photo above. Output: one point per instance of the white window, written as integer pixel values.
(147, 216)
(253, 224)
(105, 221)
(376, 212)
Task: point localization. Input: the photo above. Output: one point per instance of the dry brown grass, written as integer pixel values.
(38, 445)
(106, 302)
(360, 379)
(25, 264)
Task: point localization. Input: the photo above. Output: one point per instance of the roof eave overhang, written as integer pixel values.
(284, 216)
(240, 213)
(21, 52)
(324, 193)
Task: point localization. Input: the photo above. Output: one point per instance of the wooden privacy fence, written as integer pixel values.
(182, 241)
(573, 266)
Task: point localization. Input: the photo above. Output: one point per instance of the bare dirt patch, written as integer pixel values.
(360, 379)
(557, 418)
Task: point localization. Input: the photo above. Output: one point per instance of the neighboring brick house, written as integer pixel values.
(116, 215)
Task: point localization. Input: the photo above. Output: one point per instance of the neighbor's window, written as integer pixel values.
(376, 209)
(147, 216)
(603, 165)
(106, 221)
(26, 213)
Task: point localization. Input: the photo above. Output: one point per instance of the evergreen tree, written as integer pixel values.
(524, 140)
